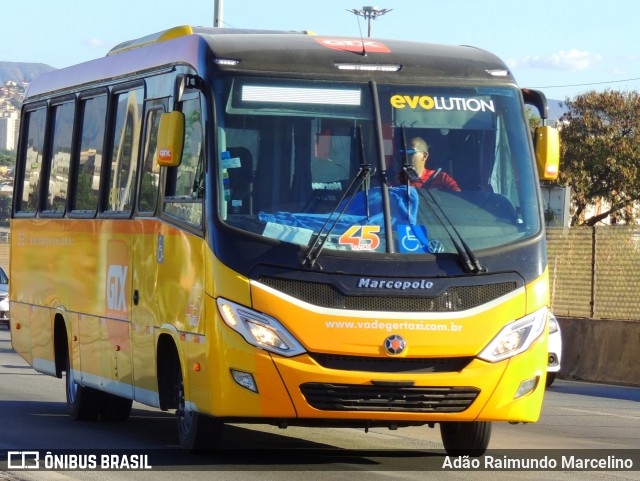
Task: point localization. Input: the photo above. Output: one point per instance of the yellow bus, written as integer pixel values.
(288, 229)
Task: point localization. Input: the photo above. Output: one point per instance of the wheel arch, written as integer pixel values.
(168, 359)
(61, 346)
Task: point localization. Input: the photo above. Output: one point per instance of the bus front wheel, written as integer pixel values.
(197, 432)
(551, 376)
(465, 438)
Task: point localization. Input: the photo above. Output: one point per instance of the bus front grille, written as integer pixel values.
(456, 298)
(347, 397)
(391, 364)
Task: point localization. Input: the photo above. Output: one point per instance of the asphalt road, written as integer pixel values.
(582, 420)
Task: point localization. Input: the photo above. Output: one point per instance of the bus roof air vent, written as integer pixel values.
(159, 37)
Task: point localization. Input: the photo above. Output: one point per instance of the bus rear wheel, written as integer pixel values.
(83, 403)
(115, 408)
(197, 432)
(465, 438)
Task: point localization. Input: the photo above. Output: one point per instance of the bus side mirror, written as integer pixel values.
(170, 139)
(547, 144)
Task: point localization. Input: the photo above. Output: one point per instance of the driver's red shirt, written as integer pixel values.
(443, 181)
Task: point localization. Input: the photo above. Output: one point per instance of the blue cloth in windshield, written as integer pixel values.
(356, 212)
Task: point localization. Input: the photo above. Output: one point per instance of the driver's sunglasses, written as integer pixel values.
(410, 151)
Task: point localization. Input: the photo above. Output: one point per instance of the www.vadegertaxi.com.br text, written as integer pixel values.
(395, 326)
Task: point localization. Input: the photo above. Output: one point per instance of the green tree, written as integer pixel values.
(533, 118)
(600, 154)
(5, 210)
(8, 157)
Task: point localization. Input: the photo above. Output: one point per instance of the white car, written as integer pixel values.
(555, 349)
(4, 311)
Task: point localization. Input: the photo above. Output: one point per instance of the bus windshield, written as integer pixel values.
(291, 156)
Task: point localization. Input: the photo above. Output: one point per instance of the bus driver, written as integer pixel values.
(418, 155)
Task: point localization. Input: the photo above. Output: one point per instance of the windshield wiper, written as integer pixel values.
(316, 247)
(367, 179)
(410, 174)
(361, 178)
(407, 167)
(469, 259)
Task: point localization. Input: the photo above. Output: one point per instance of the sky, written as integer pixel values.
(562, 47)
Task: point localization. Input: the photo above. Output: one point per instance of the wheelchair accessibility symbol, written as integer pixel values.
(413, 238)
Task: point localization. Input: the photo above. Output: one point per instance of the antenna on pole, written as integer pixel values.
(370, 13)
(217, 13)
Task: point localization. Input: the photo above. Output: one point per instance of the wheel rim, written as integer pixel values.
(72, 387)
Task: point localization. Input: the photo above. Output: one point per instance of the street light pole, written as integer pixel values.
(217, 13)
(370, 13)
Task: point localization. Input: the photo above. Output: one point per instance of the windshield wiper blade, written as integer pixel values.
(361, 178)
(407, 167)
(312, 254)
(367, 179)
(469, 259)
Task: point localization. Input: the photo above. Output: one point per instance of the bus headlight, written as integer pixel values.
(515, 337)
(259, 329)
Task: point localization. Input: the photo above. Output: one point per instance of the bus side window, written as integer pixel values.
(124, 153)
(31, 160)
(62, 128)
(184, 190)
(94, 112)
(151, 171)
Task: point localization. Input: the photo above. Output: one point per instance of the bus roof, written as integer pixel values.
(280, 53)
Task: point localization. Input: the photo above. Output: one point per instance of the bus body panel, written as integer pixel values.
(42, 339)
(21, 341)
(187, 50)
(503, 405)
(229, 351)
(490, 405)
(497, 382)
(362, 333)
(112, 338)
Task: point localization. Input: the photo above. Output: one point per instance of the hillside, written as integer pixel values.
(22, 71)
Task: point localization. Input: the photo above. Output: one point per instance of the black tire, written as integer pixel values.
(197, 432)
(551, 376)
(465, 438)
(83, 403)
(115, 408)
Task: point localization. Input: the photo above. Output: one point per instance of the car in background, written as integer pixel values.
(4, 298)
(555, 349)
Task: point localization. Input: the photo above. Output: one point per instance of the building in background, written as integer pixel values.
(11, 96)
(9, 121)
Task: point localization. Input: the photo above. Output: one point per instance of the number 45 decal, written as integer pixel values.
(361, 237)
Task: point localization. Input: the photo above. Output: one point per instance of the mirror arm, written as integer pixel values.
(184, 82)
(538, 100)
